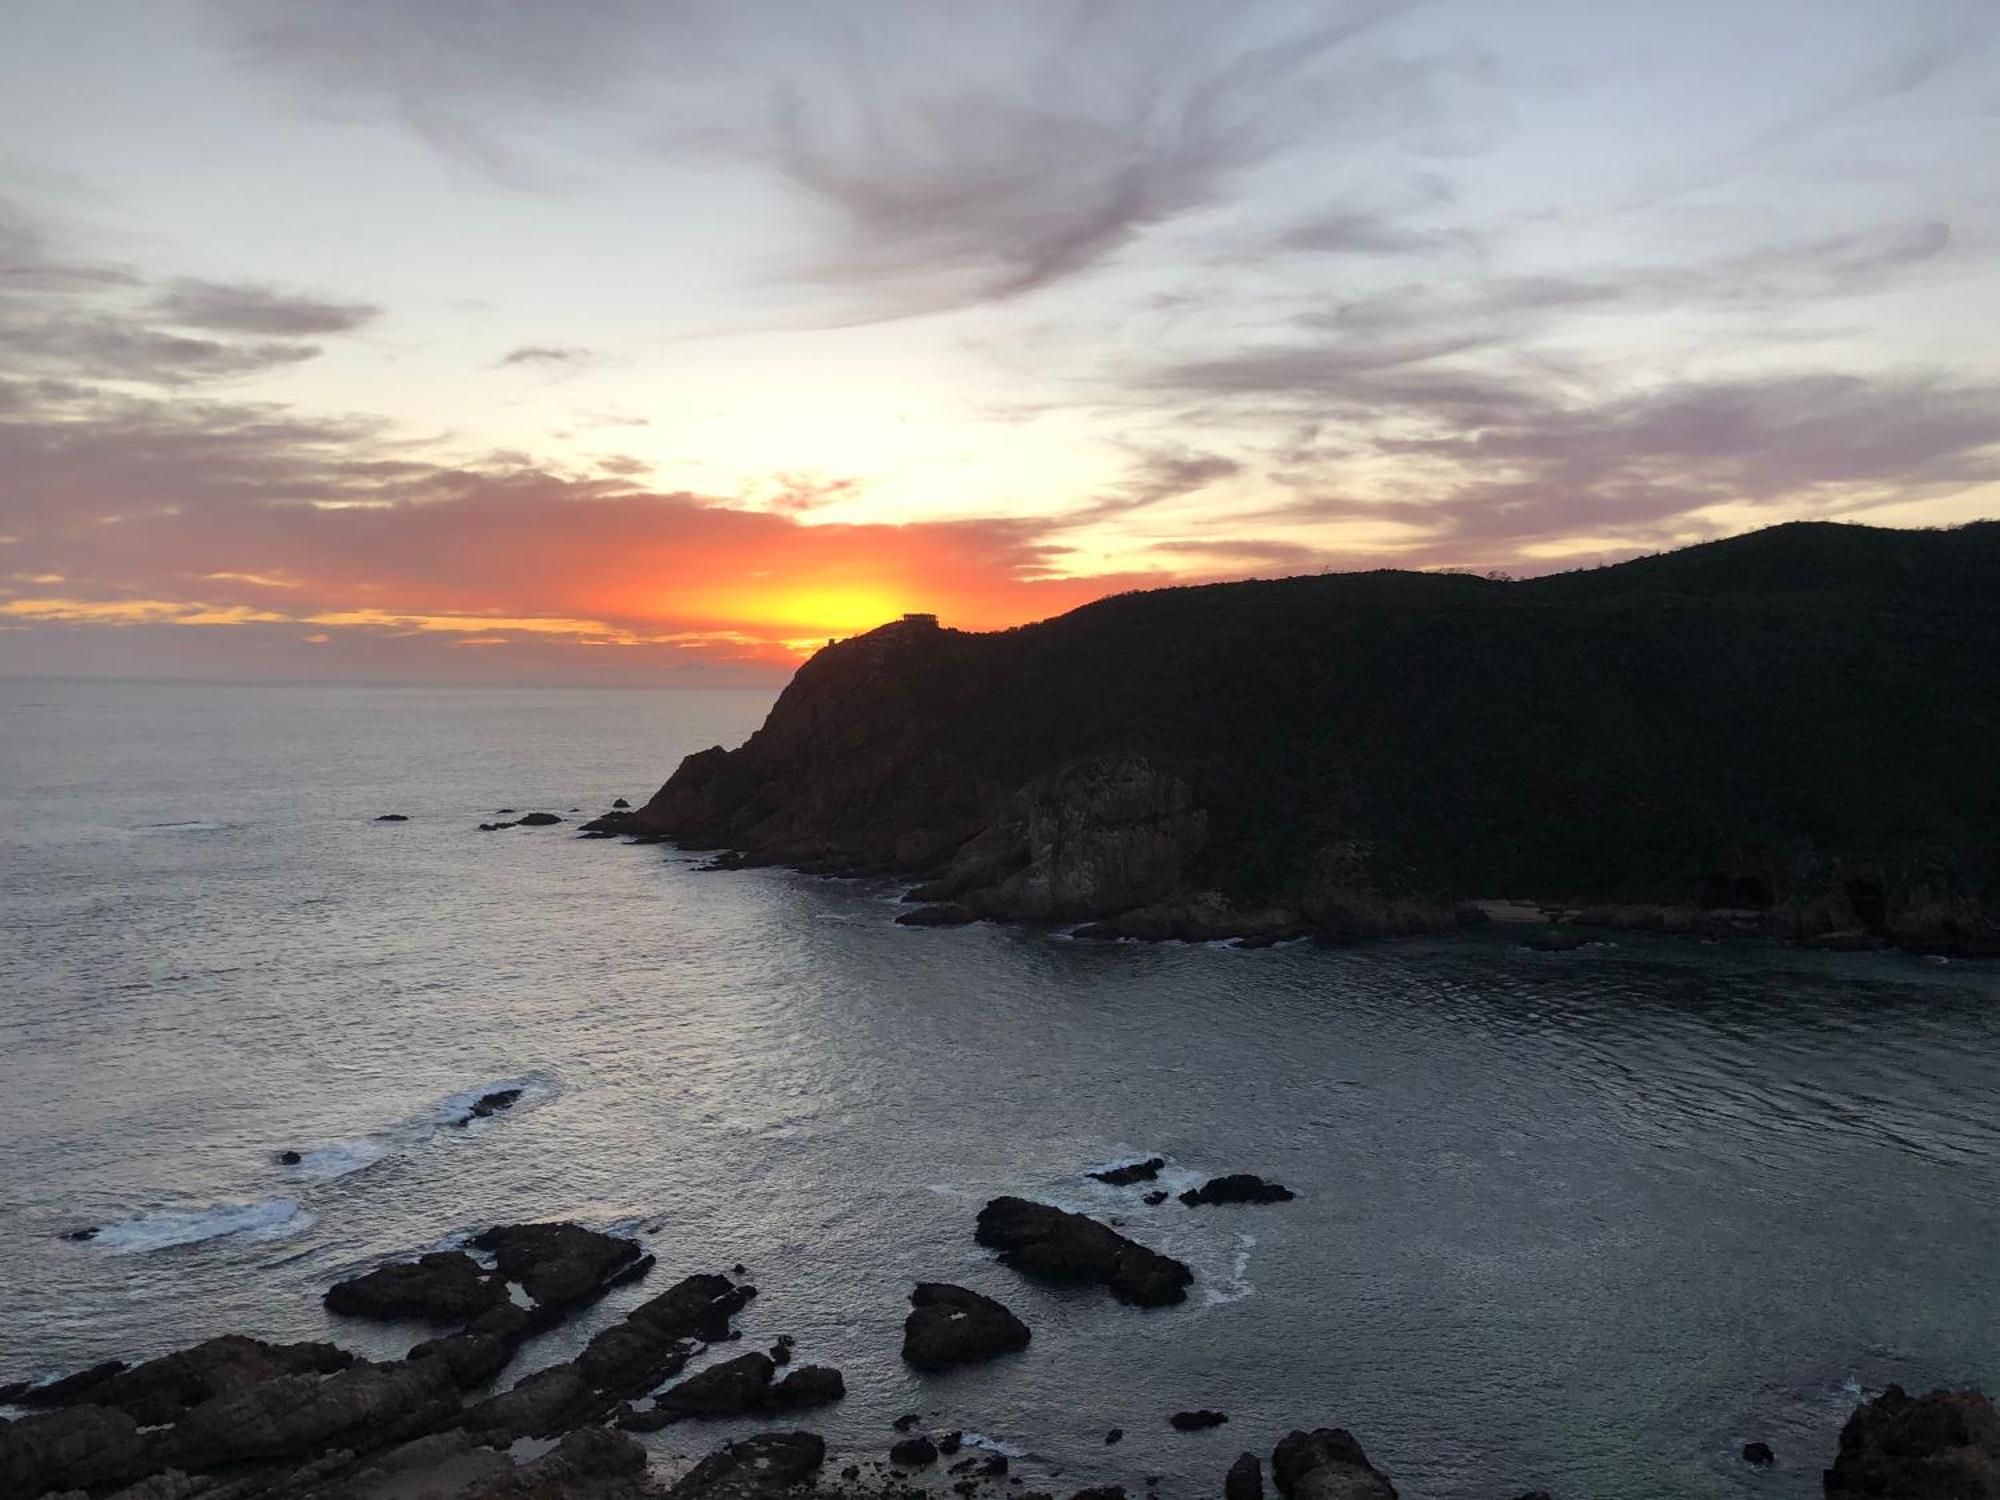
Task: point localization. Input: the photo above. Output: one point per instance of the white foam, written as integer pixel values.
(1236, 1285)
(162, 1229)
(991, 1445)
(453, 1111)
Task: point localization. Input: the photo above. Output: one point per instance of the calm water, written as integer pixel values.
(1587, 1221)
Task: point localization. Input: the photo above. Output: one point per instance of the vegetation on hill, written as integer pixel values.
(1805, 718)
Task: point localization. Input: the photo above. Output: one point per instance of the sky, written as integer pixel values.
(654, 341)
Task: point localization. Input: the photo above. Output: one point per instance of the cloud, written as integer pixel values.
(242, 307)
(957, 154)
(163, 513)
(66, 316)
(1644, 467)
(546, 354)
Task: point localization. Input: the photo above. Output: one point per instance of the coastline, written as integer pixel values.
(235, 1418)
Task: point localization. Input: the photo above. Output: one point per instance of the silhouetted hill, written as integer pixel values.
(1803, 722)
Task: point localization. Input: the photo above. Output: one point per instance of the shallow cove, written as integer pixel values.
(1582, 1221)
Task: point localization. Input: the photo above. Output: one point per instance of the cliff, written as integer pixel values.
(1794, 731)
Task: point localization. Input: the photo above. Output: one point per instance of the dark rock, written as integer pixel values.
(732, 1388)
(1138, 1171)
(1155, 1198)
(1101, 1492)
(493, 1103)
(950, 1443)
(589, 1462)
(79, 1236)
(84, 1447)
(913, 1453)
(656, 1337)
(936, 914)
(294, 1416)
(754, 1468)
(392, 818)
(1555, 940)
(1326, 1464)
(994, 1465)
(158, 1391)
(1943, 1446)
(1196, 1421)
(538, 819)
(558, 1265)
(809, 1385)
(1759, 1454)
(504, 812)
(1055, 1245)
(951, 1325)
(289, 1158)
(1115, 1435)
(70, 1389)
(620, 803)
(905, 1422)
(446, 1286)
(483, 1348)
(1238, 1187)
(1245, 1479)
(779, 1354)
(540, 1405)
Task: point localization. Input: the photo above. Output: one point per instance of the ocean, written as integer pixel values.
(1585, 1221)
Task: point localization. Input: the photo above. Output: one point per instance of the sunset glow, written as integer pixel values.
(598, 348)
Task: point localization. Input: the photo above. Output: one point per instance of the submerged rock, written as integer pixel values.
(491, 1104)
(392, 818)
(1056, 1245)
(1759, 1454)
(951, 1325)
(1138, 1171)
(1196, 1421)
(538, 820)
(1943, 1446)
(1238, 1187)
(913, 1453)
(936, 914)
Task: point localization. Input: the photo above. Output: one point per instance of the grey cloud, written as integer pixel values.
(962, 154)
(546, 354)
(1159, 476)
(242, 307)
(1356, 233)
(101, 346)
(1639, 466)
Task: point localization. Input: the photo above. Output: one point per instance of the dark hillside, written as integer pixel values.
(1803, 719)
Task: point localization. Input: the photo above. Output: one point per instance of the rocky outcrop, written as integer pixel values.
(297, 1416)
(447, 1286)
(1943, 1446)
(560, 1265)
(1056, 1245)
(1326, 1464)
(739, 1387)
(1131, 1172)
(951, 1325)
(755, 1468)
(1245, 1479)
(1091, 838)
(655, 1339)
(1237, 1187)
(1352, 755)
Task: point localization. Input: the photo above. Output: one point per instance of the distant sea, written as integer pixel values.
(1585, 1222)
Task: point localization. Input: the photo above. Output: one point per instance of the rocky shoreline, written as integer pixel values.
(236, 1418)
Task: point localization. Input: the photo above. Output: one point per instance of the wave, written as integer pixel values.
(162, 1229)
(455, 1111)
